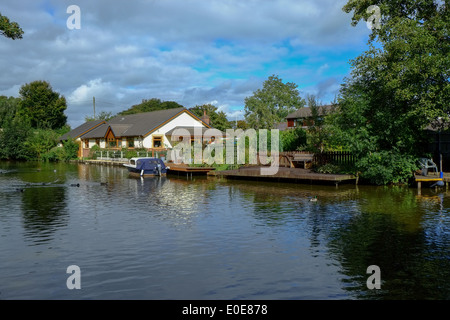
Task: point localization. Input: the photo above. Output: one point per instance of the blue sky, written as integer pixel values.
(189, 51)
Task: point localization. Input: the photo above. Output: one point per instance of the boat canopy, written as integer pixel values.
(148, 163)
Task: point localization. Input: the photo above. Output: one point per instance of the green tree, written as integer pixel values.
(40, 142)
(398, 86)
(9, 28)
(217, 119)
(8, 108)
(103, 115)
(319, 132)
(12, 140)
(153, 104)
(241, 124)
(41, 106)
(292, 139)
(270, 105)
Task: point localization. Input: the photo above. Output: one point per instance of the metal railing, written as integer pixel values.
(119, 155)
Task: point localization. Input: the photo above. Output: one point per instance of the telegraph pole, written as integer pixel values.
(93, 99)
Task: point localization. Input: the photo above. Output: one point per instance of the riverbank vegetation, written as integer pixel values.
(396, 89)
(399, 86)
(31, 125)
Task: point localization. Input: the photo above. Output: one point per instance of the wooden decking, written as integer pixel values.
(432, 177)
(185, 169)
(284, 174)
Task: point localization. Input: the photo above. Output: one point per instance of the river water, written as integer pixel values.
(174, 238)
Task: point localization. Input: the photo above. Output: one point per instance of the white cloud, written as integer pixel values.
(87, 91)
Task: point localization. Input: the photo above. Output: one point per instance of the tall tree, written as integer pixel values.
(10, 29)
(270, 105)
(398, 86)
(217, 119)
(41, 106)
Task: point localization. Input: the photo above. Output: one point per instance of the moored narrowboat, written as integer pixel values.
(145, 167)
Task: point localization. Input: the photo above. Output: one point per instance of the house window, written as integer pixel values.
(97, 142)
(112, 142)
(86, 144)
(157, 141)
(130, 142)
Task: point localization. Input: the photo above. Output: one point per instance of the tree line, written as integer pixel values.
(396, 88)
(32, 123)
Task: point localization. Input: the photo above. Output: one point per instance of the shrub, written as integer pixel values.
(386, 167)
(328, 168)
(292, 139)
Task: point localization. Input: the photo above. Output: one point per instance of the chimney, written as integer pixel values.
(205, 118)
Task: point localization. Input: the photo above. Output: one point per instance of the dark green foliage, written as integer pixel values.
(217, 120)
(269, 106)
(328, 168)
(386, 167)
(67, 152)
(8, 108)
(292, 139)
(10, 29)
(42, 107)
(12, 137)
(153, 104)
(30, 125)
(397, 87)
(101, 116)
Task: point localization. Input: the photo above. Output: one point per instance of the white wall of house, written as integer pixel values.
(91, 143)
(183, 120)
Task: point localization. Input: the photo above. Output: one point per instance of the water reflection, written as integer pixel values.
(44, 212)
(390, 231)
(232, 239)
(405, 234)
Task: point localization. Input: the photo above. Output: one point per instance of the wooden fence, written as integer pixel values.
(335, 157)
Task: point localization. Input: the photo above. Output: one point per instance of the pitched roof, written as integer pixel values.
(82, 130)
(98, 132)
(193, 131)
(305, 112)
(133, 125)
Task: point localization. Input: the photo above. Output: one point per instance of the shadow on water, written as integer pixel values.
(392, 231)
(42, 189)
(44, 212)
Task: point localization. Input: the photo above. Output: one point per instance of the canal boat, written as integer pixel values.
(145, 167)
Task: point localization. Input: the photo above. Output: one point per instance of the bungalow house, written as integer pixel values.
(143, 130)
(303, 116)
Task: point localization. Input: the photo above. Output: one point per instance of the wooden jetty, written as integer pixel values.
(431, 177)
(284, 174)
(182, 168)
